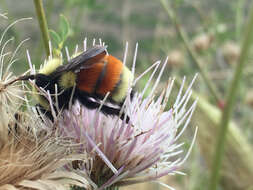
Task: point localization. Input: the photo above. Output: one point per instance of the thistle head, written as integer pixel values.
(143, 149)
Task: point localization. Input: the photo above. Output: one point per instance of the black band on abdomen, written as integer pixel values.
(101, 77)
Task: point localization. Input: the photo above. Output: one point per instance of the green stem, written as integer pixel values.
(192, 53)
(43, 24)
(230, 101)
(239, 18)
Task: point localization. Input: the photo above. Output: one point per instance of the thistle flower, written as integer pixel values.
(144, 149)
(30, 157)
(29, 154)
(11, 96)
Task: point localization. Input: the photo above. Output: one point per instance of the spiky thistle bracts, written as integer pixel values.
(11, 96)
(30, 154)
(145, 149)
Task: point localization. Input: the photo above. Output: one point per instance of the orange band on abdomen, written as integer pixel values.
(87, 77)
(112, 75)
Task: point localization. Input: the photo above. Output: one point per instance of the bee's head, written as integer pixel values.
(42, 80)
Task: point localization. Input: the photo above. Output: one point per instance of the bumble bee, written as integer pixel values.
(87, 78)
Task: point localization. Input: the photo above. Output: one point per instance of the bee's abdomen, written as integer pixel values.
(102, 77)
(111, 76)
(87, 78)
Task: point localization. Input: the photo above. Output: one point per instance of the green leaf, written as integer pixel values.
(56, 39)
(64, 27)
(60, 45)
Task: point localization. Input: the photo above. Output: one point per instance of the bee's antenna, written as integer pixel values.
(25, 77)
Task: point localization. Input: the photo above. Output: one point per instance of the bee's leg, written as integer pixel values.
(114, 111)
(132, 94)
(42, 111)
(105, 109)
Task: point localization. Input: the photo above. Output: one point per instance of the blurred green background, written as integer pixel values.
(215, 29)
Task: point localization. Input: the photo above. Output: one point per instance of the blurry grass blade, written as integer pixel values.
(237, 169)
(4, 15)
(232, 94)
(185, 39)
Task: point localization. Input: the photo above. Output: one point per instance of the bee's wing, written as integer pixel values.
(82, 60)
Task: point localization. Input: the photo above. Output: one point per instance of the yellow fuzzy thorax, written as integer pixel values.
(47, 69)
(126, 80)
(50, 66)
(67, 80)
